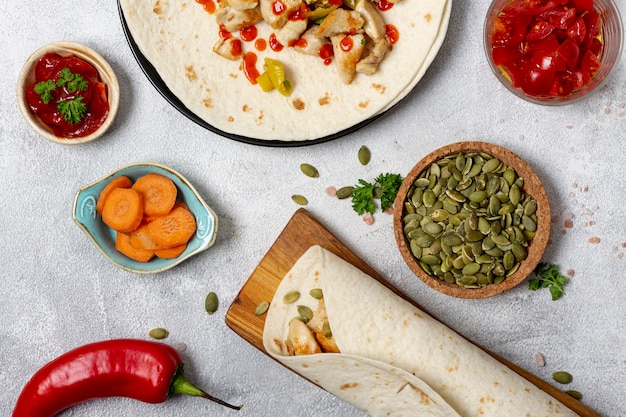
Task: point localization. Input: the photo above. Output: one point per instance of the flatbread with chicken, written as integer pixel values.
(358, 340)
(288, 70)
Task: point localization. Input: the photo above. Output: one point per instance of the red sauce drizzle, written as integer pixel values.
(392, 34)
(278, 7)
(301, 43)
(95, 96)
(249, 67)
(384, 5)
(209, 5)
(274, 44)
(224, 34)
(260, 44)
(335, 2)
(249, 33)
(346, 44)
(300, 14)
(235, 47)
(326, 53)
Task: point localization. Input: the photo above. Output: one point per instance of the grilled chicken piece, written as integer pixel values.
(374, 25)
(300, 339)
(234, 20)
(278, 20)
(340, 21)
(321, 329)
(291, 31)
(240, 4)
(348, 50)
(369, 64)
(312, 43)
(228, 48)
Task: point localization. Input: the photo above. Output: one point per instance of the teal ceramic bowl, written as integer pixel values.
(85, 215)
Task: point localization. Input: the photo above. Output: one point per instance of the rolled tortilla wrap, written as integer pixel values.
(387, 344)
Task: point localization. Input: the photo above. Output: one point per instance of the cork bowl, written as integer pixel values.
(532, 187)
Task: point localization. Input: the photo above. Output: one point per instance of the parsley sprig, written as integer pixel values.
(72, 110)
(385, 187)
(548, 276)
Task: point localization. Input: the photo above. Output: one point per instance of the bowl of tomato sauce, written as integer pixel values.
(553, 52)
(68, 93)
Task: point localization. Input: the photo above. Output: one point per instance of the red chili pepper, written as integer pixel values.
(146, 371)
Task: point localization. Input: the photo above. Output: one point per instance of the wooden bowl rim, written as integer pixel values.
(532, 186)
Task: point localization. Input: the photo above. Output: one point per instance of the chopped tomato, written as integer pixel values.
(548, 47)
(539, 30)
(568, 53)
(577, 31)
(589, 65)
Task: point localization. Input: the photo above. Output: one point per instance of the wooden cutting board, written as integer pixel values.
(302, 232)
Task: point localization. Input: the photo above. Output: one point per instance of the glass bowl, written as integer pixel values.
(405, 199)
(611, 34)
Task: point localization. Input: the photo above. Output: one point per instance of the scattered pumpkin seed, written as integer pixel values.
(305, 312)
(574, 394)
(562, 377)
(158, 333)
(344, 192)
(364, 155)
(211, 303)
(468, 221)
(309, 170)
(316, 293)
(291, 297)
(300, 199)
(326, 329)
(261, 308)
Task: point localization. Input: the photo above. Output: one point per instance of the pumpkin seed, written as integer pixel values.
(261, 308)
(562, 377)
(309, 170)
(305, 312)
(158, 333)
(316, 293)
(364, 155)
(299, 199)
(211, 303)
(344, 192)
(326, 330)
(291, 297)
(574, 394)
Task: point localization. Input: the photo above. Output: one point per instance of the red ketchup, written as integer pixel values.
(94, 96)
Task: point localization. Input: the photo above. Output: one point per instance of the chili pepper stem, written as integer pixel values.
(180, 385)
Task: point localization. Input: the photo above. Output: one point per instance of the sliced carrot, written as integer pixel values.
(140, 238)
(173, 229)
(122, 244)
(148, 219)
(170, 253)
(159, 193)
(118, 182)
(123, 210)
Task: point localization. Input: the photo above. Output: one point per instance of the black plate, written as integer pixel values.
(162, 88)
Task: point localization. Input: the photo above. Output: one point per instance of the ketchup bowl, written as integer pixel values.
(553, 52)
(76, 100)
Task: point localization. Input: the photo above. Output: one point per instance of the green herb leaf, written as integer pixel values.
(385, 188)
(389, 184)
(72, 110)
(71, 81)
(45, 89)
(548, 276)
(363, 198)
